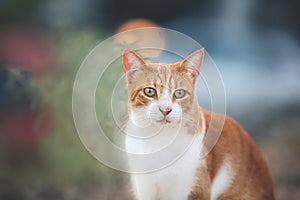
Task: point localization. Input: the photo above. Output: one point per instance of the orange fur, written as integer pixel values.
(253, 180)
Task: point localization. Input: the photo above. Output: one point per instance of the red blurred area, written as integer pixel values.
(31, 50)
(26, 49)
(25, 128)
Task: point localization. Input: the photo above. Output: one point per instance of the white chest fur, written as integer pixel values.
(173, 182)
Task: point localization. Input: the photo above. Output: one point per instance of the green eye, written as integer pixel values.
(180, 93)
(149, 91)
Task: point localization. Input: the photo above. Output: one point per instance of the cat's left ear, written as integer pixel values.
(131, 61)
(191, 64)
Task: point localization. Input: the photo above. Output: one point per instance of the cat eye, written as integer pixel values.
(180, 93)
(149, 91)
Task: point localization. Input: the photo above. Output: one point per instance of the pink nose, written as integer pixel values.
(165, 111)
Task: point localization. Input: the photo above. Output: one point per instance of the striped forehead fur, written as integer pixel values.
(160, 76)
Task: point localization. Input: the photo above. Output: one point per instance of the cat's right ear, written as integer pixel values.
(131, 62)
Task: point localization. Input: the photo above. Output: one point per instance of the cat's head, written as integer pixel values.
(160, 93)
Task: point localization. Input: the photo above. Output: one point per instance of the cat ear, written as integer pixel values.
(131, 61)
(192, 63)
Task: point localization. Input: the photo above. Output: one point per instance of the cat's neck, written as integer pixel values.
(151, 138)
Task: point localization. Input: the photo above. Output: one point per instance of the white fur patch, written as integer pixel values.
(170, 183)
(223, 180)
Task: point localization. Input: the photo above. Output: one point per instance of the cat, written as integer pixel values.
(163, 106)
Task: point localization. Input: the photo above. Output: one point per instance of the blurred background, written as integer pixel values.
(255, 44)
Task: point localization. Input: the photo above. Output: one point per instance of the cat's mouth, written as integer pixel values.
(163, 121)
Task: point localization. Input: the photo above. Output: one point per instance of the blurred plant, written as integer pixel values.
(59, 161)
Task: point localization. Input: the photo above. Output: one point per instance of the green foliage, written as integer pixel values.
(61, 160)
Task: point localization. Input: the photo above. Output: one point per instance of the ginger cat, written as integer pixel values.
(163, 106)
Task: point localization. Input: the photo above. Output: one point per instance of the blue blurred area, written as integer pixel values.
(260, 68)
(8, 102)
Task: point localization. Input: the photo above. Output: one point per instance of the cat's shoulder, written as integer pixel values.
(225, 128)
(216, 119)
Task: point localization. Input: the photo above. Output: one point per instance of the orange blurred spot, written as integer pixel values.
(149, 42)
(136, 23)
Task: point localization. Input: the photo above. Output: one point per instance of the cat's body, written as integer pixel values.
(163, 107)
